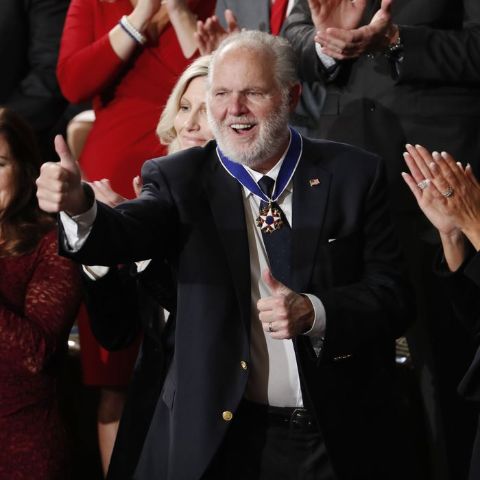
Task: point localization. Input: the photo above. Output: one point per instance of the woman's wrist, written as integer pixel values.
(176, 6)
(473, 235)
(454, 236)
(138, 20)
(453, 244)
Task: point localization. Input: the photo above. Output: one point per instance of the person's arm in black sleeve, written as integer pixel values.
(37, 97)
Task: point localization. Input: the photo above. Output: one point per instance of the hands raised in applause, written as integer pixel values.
(210, 33)
(338, 32)
(449, 196)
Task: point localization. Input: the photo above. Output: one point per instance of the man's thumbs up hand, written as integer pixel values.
(59, 186)
(66, 158)
(285, 314)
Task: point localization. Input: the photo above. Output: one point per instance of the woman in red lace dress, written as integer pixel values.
(39, 297)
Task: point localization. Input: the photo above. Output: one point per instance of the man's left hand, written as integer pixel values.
(285, 314)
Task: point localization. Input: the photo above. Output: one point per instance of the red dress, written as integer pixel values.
(39, 297)
(128, 98)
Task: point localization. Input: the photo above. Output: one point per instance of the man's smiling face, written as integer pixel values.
(248, 111)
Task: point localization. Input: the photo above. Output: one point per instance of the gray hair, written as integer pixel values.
(285, 64)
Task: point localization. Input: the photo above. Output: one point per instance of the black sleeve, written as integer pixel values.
(113, 309)
(443, 56)
(463, 289)
(37, 97)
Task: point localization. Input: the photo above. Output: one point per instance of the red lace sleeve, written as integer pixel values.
(52, 295)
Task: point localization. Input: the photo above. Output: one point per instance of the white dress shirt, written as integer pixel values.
(274, 377)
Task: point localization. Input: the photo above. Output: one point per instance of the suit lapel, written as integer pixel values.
(311, 186)
(226, 202)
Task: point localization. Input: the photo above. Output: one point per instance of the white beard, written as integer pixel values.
(272, 131)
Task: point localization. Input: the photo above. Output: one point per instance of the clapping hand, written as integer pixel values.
(341, 42)
(342, 14)
(449, 195)
(210, 33)
(425, 187)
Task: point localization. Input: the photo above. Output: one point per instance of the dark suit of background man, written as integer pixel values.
(30, 32)
(425, 89)
(264, 383)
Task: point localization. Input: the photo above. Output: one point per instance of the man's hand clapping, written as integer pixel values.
(338, 32)
(342, 14)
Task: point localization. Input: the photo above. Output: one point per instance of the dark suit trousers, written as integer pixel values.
(263, 446)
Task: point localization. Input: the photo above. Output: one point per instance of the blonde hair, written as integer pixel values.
(165, 130)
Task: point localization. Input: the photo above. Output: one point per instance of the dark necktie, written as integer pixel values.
(277, 243)
(277, 15)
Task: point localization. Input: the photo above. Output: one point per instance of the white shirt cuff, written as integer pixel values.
(78, 228)
(328, 62)
(94, 272)
(317, 332)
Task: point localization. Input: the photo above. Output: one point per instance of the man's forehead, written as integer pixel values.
(241, 64)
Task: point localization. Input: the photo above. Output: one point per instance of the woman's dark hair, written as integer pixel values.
(22, 223)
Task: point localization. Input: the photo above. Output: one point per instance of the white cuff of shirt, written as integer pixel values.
(327, 60)
(94, 272)
(317, 332)
(78, 228)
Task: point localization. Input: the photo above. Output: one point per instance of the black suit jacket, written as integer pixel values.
(344, 251)
(30, 32)
(462, 287)
(433, 99)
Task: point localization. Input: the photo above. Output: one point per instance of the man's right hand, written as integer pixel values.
(343, 14)
(59, 186)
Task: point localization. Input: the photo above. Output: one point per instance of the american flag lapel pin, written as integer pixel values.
(314, 182)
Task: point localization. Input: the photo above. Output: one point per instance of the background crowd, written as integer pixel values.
(125, 81)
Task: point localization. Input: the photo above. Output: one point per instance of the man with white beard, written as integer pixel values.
(290, 294)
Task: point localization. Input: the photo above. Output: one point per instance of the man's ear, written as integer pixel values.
(294, 95)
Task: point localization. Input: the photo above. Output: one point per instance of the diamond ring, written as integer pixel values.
(423, 184)
(448, 192)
